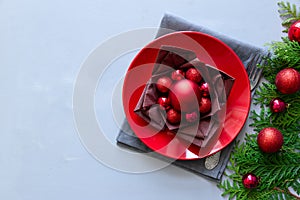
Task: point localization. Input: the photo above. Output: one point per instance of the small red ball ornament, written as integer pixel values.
(185, 96)
(193, 75)
(164, 103)
(277, 105)
(250, 181)
(163, 84)
(270, 140)
(192, 117)
(205, 105)
(288, 81)
(294, 31)
(173, 116)
(177, 75)
(204, 89)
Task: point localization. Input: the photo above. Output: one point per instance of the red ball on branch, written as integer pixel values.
(294, 31)
(277, 105)
(250, 181)
(270, 140)
(288, 81)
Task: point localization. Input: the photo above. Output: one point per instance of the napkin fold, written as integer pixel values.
(247, 53)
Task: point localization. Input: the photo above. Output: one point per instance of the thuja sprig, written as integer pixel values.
(266, 92)
(285, 54)
(279, 172)
(288, 13)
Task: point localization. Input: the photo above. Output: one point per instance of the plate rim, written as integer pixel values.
(240, 63)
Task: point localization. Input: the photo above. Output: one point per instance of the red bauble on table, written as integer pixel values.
(185, 96)
(192, 117)
(204, 89)
(164, 103)
(177, 75)
(250, 181)
(205, 105)
(270, 140)
(173, 116)
(163, 84)
(193, 74)
(294, 31)
(277, 105)
(288, 81)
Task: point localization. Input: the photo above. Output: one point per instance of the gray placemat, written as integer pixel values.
(246, 52)
(127, 138)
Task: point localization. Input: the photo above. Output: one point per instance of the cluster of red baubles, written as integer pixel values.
(183, 95)
(287, 81)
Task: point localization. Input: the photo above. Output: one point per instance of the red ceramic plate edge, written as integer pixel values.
(216, 147)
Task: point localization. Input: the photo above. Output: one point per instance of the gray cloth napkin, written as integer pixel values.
(246, 52)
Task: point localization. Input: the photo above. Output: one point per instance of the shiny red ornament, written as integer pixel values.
(185, 96)
(177, 75)
(204, 89)
(288, 81)
(277, 105)
(205, 105)
(270, 140)
(250, 181)
(164, 103)
(173, 116)
(193, 74)
(163, 84)
(294, 31)
(192, 117)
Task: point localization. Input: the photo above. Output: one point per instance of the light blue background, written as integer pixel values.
(42, 46)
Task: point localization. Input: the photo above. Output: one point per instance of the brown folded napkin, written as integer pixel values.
(207, 130)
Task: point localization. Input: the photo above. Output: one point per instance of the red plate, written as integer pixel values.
(209, 50)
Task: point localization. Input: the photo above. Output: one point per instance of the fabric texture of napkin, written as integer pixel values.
(246, 52)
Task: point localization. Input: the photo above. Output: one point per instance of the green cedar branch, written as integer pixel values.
(279, 172)
(288, 13)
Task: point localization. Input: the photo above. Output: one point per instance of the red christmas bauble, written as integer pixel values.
(177, 75)
(294, 31)
(163, 84)
(277, 105)
(270, 140)
(192, 117)
(173, 116)
(193, 75)
(204, 89)
(164, 103)
(250, 181)
(185, 96)
(288, 81)
(205, 105)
